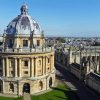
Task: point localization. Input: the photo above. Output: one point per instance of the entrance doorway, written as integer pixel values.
(26, 88)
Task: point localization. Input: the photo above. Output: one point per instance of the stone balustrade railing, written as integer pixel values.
(26, 50)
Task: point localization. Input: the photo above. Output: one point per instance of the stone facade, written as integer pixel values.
(93, 81)
(26, 64)
(80, 61)
(83, 63)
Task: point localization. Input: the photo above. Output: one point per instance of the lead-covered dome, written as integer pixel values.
(23, 23)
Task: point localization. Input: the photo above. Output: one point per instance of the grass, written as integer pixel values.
(61, 92)
(98, 72)
(10, 98)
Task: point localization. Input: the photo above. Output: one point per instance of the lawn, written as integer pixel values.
(9, 98)
(61, 92)
(98, 72)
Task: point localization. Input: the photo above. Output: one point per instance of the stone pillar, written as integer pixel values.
(99, 62)
(7, 67)
(52, 62)
(45, 64)
(3, 67)
(42, 66)
(35, 67)
(3, 86)
(20, 69)
(32, 67)
(15, 67)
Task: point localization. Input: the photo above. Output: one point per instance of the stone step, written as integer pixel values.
(26, 96)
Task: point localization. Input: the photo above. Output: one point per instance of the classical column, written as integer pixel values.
(32, 67)
(3, 84)
(3, 67)
(7, 67)
(35, 65)
(50, 62)
(15, 67)
(45, 64)
(52, 67)
(20, 72)
(42, 66)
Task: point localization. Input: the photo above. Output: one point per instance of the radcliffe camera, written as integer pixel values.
(50, 50)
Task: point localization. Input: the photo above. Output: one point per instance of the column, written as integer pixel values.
(50, 62)
(7, 67)
(15, 67)
(32, 67)
(43, 65)
(52, 67)
(3, 84)
(3, 67)
(20, 72)
(35, 65)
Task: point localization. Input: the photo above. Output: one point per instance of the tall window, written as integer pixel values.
(0, 62)
(10, 43)
(26, 63)
(40, 85)
(48, 60)
(0, 72)
(11, 87)
(25, 43)
(38, 42)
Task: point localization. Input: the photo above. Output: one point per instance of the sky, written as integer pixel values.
(57, 17)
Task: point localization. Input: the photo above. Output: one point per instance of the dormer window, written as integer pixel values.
(25, 43)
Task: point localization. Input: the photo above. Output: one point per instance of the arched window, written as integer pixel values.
(40, 85)
(26, 88)
(11, 87)
(50, 82)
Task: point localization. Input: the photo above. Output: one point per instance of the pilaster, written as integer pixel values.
(7, 67)
(3, 66)
(15, 67)
(20, 69)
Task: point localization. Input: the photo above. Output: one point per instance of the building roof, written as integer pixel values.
(23, 24)
(95, 76)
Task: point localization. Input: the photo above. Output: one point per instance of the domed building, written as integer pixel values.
(26, 63)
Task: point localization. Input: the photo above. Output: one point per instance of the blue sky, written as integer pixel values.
(57, 17)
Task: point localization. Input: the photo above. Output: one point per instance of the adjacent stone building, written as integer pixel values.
(26, 63)
(80, 61)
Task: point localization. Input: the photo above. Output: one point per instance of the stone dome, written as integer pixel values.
(23, 24)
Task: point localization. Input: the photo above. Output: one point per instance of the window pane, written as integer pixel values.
(38, 42)
(25, 43)
(25, 72)
(25, 63)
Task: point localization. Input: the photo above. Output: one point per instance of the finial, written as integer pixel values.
(24, 9)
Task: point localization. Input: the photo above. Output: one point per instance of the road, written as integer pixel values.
(83, 92)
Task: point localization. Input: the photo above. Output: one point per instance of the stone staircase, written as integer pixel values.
(26, 96)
